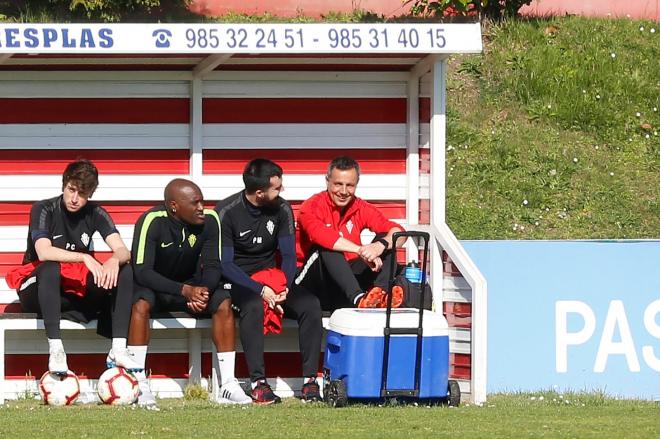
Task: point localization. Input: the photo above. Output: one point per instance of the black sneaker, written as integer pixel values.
(311, 392)
(263, 394)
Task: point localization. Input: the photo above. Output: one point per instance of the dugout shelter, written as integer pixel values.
(150, 102)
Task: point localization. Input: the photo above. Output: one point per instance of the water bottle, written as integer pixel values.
(413, 273)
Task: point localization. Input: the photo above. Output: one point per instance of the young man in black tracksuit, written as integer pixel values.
(60, 239)
(176, 260)
(257, 225)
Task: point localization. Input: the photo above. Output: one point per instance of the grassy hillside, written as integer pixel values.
(553, 132)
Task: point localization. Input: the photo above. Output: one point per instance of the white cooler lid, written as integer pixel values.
(369, 322)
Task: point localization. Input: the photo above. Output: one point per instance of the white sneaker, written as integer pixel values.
(57, 362)
(232, 393)
(122, 358)
(146, 399)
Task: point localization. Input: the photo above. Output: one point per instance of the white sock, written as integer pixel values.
(139, 354)
(226, 362)
(55, 344)
(118, 344)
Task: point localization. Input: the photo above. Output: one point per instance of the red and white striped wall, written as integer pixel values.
(145, 120)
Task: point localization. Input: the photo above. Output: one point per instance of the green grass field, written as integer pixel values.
(545, 414)
(552, 132)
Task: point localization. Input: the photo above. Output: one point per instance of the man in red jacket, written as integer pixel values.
(338, 267)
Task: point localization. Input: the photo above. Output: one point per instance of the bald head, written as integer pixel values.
(184, 200)
(177, 186)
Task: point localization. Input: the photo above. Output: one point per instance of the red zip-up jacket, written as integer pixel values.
(321, 223)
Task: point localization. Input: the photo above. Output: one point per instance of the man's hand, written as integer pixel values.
(94, 267)
(195, 294)
(281, 298)
(371, 251)
(196, 307)
(273, 299)
(109, 273)
(375, 265)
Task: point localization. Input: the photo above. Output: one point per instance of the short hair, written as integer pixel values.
(83, 175)
(344, 163)
(257, 174)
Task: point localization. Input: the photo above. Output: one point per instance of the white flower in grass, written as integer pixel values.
(611, 174)
(575, 159)
(549, 106)
(638, 114)
(597, 96)
(552, 172)
(596, 146)
(522, 228)
(655, 109)
(533, 398)
(525, 202)
(613, 55)
(536, 223)
(652, 30)
(641, 28)
(648, 136)
(541, 398)
(449, 148)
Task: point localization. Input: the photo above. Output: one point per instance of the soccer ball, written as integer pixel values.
(117, 386)
(59, 390)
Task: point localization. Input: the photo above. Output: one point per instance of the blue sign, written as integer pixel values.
(572, 315)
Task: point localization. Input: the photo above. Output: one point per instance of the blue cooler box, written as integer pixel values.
(354, 352)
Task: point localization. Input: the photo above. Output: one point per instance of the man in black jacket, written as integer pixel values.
(176, 261)
(60, 246)
(257, 228)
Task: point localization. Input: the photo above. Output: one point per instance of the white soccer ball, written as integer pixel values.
(117, 386)
(59, 389)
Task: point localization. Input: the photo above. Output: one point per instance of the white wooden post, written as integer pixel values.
(196, 133)
(437, 169)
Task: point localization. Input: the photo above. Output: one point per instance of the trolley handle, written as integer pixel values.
(389, 331)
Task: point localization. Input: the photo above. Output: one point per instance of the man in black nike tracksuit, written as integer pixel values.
(60, 248)
(257, 225)
(176, 261)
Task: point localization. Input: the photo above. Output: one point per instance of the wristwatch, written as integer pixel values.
(384, 242)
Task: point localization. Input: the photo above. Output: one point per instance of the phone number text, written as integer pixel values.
(330, 38)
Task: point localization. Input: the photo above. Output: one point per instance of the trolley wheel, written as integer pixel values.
(453, 393)
(335, 394)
